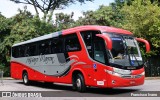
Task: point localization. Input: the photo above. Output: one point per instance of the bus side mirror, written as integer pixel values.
(145, 42)
(107, 40)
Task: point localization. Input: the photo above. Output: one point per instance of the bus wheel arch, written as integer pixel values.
(25, 77)
(78, 81)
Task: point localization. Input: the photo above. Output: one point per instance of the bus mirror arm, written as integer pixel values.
(107, 40)
(145, 42)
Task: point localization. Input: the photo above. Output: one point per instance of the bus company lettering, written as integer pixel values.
(31, 60)
(45, 59)
(42, 58)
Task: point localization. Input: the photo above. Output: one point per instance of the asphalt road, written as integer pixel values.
(65, 91)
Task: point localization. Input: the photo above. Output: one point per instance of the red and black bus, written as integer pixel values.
(98, 56)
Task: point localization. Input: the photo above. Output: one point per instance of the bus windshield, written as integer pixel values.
(125, 51)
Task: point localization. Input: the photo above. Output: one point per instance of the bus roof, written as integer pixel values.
(79, 28)
(96, 27)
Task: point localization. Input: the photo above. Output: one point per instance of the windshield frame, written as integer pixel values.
(137, 59)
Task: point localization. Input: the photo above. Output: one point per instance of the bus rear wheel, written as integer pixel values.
(25, 78)
(79, 83)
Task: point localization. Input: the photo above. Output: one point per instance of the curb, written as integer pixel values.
(152, 78)
(7, 78)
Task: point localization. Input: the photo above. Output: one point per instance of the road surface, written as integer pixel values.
(66, 93)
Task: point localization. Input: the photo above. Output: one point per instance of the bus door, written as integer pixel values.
(96, 48)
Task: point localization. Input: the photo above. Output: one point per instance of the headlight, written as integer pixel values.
(143, 73)
(112, 73)
(124, 75)
(122, 71)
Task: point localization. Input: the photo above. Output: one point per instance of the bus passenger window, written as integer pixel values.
(57, 46)
(21, 51)
(31, 50)
(44, 48)
(72, 43)
(15, 52)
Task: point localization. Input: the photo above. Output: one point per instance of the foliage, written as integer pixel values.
(105, 15)
(4, 27)
(142, 18)
(121, 3)
(4, 31)
(23, 26)
(4, 23)
(48, 6)
(5, 70)
(64, 21)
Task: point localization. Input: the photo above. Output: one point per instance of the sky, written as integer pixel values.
(9, 8)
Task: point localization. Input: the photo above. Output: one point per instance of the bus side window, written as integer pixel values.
(87, 37)
(27, 51)
(22, 51)
(31, 50)
(44, 47)
(72, 43)
(15, 51)
(57, 45)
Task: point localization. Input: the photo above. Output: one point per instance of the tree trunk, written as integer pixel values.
(37, 13)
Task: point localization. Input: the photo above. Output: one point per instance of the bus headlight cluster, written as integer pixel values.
(124, 74)
(112, 73)
(122, 71)
(143, 73)
(118, 72)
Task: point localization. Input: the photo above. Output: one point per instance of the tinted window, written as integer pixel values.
(15, 52)
(18, 51)
(31, 50)
(57, 45)
(45, 47)
(88, 40)
(21, 51)
(72, 43)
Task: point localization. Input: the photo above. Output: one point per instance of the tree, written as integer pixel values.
(4, 26)
(88, 19)
(22, 26)
(105, 15)
(120, 3)
(4, 31)
(48, 6)
(142, 18)
(64, 21)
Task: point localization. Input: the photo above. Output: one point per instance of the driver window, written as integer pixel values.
(95, 46)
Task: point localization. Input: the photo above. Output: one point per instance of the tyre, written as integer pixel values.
(25, 78)
(79, 83)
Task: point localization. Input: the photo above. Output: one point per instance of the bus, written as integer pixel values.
(84, 56)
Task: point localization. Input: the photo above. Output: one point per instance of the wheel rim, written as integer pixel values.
(25, 78)
(78, 83)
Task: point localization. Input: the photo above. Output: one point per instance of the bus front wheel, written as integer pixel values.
(80, 83)
(25, 78)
